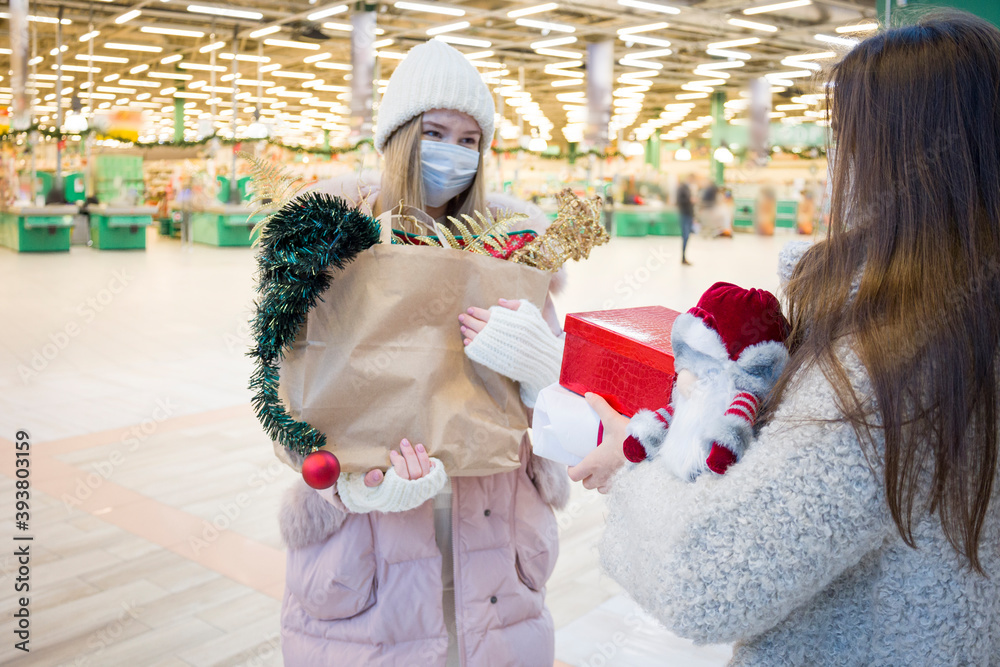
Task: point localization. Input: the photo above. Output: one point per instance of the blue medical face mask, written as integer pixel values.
(447, 170)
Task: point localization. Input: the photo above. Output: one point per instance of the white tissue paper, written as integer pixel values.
(564, 427)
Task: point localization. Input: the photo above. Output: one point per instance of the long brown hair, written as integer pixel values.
(910, 270)
(402, 180)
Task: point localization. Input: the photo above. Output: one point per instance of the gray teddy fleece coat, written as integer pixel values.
(793, 556)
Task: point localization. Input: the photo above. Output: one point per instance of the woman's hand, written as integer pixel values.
(409, 462)
(598, 467)
(474, 319)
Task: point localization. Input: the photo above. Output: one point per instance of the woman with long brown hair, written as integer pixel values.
(862, 527)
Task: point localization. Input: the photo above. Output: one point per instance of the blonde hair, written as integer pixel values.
(403, 183)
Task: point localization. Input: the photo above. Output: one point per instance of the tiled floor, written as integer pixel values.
(155, 492)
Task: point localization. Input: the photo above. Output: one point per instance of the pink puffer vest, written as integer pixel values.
(365, 589)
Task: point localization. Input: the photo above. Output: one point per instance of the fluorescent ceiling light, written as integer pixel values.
(753, 25)
(478, 54)
(390, 55)
(110, 77)
(451, 27)
(563, 65)
(558, 41)
(725, 53)
(198, 67)
(176, 32)
(712, 72)
(338, 66)
(642, 39)
(270, 68)
(245, 58)
(86, 37)
(567, 73)
(184, 95)
(861, 27)
(100, 59)
(790, 107)
(706, 82)
(430, 9)
(537, 9)
(127, 16)
(132, 47)
(169, 75)
(567, 82)
(644, 64)
(777, 7)
(559, 53)
(292, 45)
(225, 11)
(793, 74)
(171, 59)
(317, 57)
(293, 75)
(138, 68)
(38, 19)
(545, 25)
(115, 89)
(788, 62)
(643, 28)
(346, 27)
(270, 30)
(840, 41)
(465, 41)
(487, 64)
(691, 96)
(652, 53)
(725, 65)
(813, 56)
(651, 6)
(211, 47)
(328, 11)
(735, 42)
(139, 84)
(382, 43)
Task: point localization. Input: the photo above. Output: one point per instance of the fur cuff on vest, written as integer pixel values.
(551, 480)
(306, 518)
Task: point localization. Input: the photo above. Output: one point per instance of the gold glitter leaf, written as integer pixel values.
(576, 231)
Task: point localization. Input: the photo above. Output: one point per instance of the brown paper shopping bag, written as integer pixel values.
(381, 358)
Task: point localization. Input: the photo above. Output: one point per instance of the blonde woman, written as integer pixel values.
(446, 572)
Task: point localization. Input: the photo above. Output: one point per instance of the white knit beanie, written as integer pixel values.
(434, 75)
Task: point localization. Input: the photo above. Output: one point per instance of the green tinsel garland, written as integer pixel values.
(298, 245)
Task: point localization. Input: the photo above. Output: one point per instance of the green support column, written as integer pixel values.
(717, 169)
(653, 151)
(178, 120)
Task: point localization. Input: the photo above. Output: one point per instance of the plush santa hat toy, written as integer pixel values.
(728, 352)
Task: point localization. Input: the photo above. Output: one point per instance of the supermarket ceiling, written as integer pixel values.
(668, 56)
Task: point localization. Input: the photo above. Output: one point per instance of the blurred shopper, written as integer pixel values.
(806, 214)
(685, 207)
(714, 215)
(767, 211)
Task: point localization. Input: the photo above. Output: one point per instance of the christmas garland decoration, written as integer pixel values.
(10, 135)
(298, 246)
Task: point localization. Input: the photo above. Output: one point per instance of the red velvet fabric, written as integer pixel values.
(720, 458)
(634, 451)
(742, 317)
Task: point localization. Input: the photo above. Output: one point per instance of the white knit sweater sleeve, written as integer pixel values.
(394, 494)
(728, 557)
(519, 344)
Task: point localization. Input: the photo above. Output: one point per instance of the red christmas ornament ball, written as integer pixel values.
(321, 469)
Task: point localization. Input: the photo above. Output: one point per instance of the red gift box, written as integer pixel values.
(623, 355)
